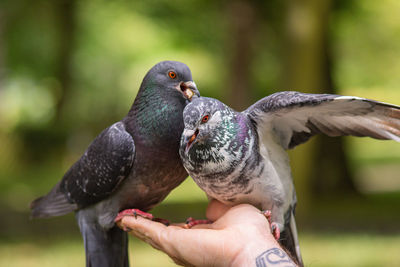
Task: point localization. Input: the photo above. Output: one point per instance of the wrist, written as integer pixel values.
(266, 252)
(248, 254)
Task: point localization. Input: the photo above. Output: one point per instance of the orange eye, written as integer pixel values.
(205, 119)
(172, 74)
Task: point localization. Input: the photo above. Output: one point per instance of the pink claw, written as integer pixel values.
(275, 230)
(190, 222)
(274, 226)
(133, 212)
(267, 214)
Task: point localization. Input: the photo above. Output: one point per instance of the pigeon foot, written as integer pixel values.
(137, 212)
(276, 232)
(267, 214)
(274, 226)
(133, 212)
(190, 222)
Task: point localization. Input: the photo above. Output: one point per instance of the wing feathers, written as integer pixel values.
(296, 117)
(106, 162)
(53, 204)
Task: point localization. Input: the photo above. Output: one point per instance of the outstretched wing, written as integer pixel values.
(295, 117)
(106, 162)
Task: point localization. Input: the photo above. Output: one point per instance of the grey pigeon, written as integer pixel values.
(134, 163)
(240, 157)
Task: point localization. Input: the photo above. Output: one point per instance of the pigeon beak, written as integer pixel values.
(188, 89)
(189, 138)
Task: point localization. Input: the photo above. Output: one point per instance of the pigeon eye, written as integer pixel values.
(205, 118)
(172, 74)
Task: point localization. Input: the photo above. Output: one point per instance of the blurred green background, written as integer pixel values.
(68, 69)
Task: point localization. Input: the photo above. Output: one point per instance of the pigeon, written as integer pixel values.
(240, 157)
(134, 163)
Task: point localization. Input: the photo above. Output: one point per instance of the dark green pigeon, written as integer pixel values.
(240, 157)
(134, 163)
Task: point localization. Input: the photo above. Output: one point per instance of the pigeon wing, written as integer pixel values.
(295, 117)
(104, 165)
(106, 162)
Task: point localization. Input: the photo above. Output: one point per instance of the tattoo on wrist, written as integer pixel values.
(274, 257)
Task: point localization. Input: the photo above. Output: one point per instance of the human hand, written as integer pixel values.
(239, 236)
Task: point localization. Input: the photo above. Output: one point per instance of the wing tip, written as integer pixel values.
(393, 137)
(55, 203)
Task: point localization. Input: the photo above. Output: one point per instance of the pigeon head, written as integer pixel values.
(213, 135)
(169, 77)
(203, 119)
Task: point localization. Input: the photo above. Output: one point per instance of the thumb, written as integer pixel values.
(144, 229)
(157, 235)
(215, 210)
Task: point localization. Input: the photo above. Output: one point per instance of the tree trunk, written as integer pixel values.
(41, 142)
(320, 166)
(66, 16)
(242, 17)
(331, 173)
(2, 59)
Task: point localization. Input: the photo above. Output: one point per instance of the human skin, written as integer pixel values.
(239, 236)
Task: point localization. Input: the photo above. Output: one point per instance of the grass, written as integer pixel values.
(332, 231)
(71, 253)
(322, 249)
(350, 250)
(360, 231)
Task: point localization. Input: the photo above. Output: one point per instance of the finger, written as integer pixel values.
(203, 226)
(183, 245)
(141, 224)
(156, 234)
(180, 244)
(146, 230)
(182, 224)
(216, 209)
(197, 226)
(243, 214)
(192, 247)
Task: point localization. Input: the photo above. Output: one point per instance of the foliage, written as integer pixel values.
(116, 42)
(318, 250)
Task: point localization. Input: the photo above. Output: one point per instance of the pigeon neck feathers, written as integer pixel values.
(156, 119)
(222, 144)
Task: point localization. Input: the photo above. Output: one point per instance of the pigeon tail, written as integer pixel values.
(55, 203)
(103, 248)
(289, 240)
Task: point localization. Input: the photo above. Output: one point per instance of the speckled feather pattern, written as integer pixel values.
(289, 99)
(132, 164)
(295, 117)
(103, 166)
(235, 152)
(240, 157)
(226, 161)
(136, 160)
(156, 129)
